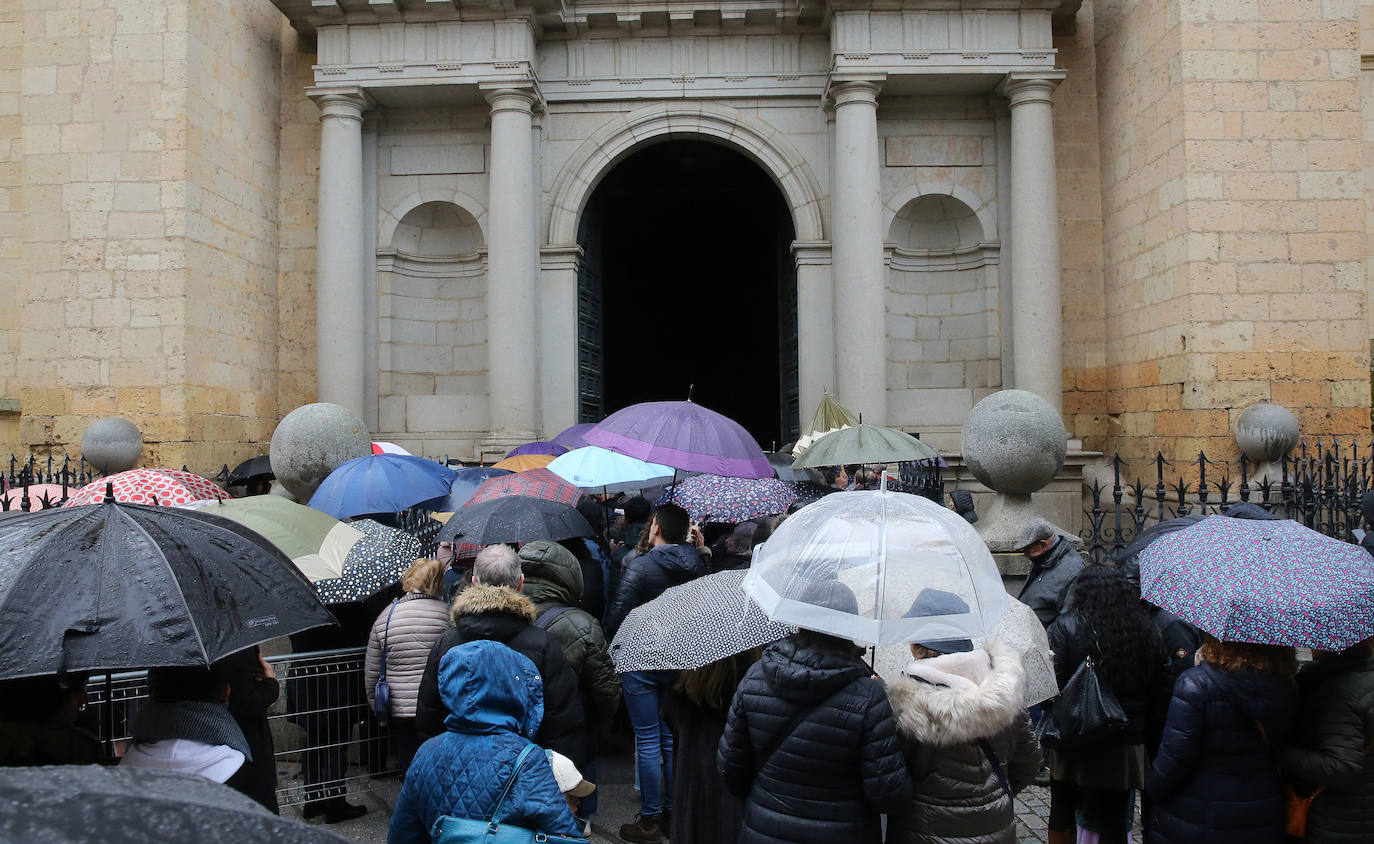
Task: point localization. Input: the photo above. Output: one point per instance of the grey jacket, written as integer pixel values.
(943, 707)
(416, 625)
(1047, 587)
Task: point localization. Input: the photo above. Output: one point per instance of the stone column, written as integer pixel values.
(340, 321)
(1037, 313)
(815, 325)
(512, 270)
(857, 237)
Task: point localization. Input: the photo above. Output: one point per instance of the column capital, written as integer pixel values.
(345, 102)
(863, 90)
(509, 98)
(1030, 87)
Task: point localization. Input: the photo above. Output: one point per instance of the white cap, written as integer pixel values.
(569, 779)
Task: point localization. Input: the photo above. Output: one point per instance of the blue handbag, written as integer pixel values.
(381, 693)
(450, 830)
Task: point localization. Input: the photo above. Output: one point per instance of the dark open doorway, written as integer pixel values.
(687, 278)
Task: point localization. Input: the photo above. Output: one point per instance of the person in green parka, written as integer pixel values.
(1330, 746)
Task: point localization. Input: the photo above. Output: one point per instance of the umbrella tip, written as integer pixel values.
(690, 388)
(109, 492)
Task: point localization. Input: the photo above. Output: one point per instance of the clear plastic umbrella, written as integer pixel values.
(879, 567)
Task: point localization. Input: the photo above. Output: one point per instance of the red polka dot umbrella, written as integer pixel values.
(149, 486)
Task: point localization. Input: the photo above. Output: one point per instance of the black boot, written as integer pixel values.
(340, 810)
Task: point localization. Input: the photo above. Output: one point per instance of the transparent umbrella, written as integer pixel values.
(878, 567)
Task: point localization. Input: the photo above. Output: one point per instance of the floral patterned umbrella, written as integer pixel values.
(1269, 582)
(535, 483)
(149, 486)
(378, 560)
(715, 498)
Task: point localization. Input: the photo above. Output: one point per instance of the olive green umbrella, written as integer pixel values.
(316, 542)
(864, 444)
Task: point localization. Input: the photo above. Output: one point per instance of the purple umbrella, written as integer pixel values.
(574, 437)
(538, 447)
(713, 498)
(683, 435)
(1269, 582)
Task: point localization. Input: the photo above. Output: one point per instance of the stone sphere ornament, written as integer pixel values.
(312, 441)
(112, 444)
(1266, 432)
(1014, 442)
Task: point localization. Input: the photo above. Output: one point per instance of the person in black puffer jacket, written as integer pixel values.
(1215, 778)
(1331, 744)
(828, 778)
(670, 562)
(493, 608)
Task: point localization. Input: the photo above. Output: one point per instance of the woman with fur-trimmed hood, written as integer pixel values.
(960, 717)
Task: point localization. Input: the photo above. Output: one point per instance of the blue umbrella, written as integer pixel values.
(464, 484)
(1268, 582)
(381, 483)
(597, 468)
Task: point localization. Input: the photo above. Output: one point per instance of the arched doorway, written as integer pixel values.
(687, 278)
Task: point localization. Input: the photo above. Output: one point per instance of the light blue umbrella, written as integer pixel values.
(381, 483)
(593, 467)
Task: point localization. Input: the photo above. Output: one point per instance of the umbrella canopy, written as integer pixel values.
(1021, 629)
(595, 468)
(524, 462)
(253, 467)
(575, 436)
(878, 567)
(548, 447)
(809, 493)
(713, 498)
(465, 484)
(167, 487)
(515, 518)
(692, 625)
(1128, 559)
(783, 469)
(383, 447)
(40, 497)
(316, 542)
(116, 586)
(377, 561)
(864, 444)
(1270, 582)
(683, 435)
(536, 483)
(98, 804)
(381, 483)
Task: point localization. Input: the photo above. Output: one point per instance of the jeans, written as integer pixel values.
(653, 740)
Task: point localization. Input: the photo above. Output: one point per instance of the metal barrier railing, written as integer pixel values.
(325, 735)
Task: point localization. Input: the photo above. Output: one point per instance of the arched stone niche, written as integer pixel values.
(432, 322)
(943, 347)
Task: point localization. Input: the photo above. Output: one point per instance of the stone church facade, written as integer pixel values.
(1154, 213)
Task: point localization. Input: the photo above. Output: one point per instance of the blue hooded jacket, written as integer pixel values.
(495, 698)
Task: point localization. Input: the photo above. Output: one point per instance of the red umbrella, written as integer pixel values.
(149, 486)
(535, 483)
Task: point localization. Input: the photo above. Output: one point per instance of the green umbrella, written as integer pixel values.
(316, 542)
(864, 444)
(831, 414)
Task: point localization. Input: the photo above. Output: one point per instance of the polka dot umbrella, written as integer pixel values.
(377, 561)
(715, 498)
(167, 487)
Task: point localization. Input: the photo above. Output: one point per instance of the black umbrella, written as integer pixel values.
(111, 586)
(253, 467)
(86, 804)
(515, 518)
(783, 469)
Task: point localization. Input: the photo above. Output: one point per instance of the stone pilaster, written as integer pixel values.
(341, 324)
(857, 235)
(1037, 313)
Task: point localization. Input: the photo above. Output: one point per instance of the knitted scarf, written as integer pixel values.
(207, 723)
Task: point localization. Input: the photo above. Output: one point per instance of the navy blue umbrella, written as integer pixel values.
(381, 483)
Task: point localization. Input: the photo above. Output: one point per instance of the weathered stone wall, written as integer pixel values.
(298, 186)
(11, 218)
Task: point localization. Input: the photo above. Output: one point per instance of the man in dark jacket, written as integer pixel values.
(493, 608)
(670, 562)
(1054, 566)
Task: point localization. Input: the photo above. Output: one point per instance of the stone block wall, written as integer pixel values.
(11, 218)
(298, 187)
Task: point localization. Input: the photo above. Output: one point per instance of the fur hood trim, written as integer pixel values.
(476, 600)
(961, 697)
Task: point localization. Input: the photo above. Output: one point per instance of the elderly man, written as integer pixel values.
(1054, 568)
(493, 609)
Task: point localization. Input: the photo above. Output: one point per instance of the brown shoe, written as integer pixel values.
(645, 830)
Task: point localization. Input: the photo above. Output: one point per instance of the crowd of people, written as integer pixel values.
(498, 688)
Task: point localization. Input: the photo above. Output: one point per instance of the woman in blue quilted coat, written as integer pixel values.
(496, 700)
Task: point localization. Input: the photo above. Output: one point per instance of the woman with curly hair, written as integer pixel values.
(1215, 777)
(1091, 785)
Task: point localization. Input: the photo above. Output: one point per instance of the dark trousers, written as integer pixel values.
(1104, 811)
(323, 766)
(405, 741)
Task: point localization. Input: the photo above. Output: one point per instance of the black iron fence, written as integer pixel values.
(1318, 484)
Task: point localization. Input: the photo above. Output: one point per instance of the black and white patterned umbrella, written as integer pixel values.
(379, 559)
(692, 625)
